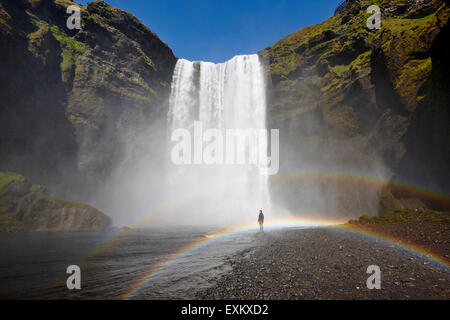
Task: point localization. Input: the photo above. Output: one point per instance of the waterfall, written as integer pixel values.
(230, 95)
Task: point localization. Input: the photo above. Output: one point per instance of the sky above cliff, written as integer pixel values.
(217, 30)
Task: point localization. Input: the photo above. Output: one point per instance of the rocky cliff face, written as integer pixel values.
(71, 99)
(367, 102)
(25, 206)
(350, 102)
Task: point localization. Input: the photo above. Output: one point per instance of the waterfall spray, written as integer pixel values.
(226, 96)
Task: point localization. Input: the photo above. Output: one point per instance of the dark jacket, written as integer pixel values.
(261, 218)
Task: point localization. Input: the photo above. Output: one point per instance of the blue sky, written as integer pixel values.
(217, 30)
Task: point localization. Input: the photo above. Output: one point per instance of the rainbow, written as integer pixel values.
(366, 181)
(200, 243)
(399, 243)
(346, 177)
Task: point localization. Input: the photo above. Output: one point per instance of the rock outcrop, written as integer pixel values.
(364, 102)
(25, 206)
(362, 108)
(71, 99)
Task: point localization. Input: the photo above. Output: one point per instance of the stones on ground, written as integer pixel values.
(327, 272)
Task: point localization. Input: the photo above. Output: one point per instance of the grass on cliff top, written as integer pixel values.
(303, 35)
(287, 48)
(118, 15)
(67, 3)
(403, 27)
(285, 52)
(405, 22)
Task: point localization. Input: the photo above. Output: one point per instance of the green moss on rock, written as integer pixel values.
(7, 177)
(25, 206)
(407, 216)
(361, 91)
(99, 84)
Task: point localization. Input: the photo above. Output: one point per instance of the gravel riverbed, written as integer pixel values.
(327, 263)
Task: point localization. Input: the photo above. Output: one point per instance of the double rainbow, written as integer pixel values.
(346, 178)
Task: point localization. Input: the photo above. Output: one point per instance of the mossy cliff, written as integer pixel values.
(349, 99)
(71, 99)
(25, 206)
(346, 99)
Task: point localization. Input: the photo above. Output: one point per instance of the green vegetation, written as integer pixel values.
(28, 206)
(5, 18)
(35, 20)
(22, 191)
(107, 76)
(70, 50)
(7, 177)
(40, 48)
(406, 216)
(317, 67)
(64, 3)
(9, 223)
(67, 41)
(147, 60)
(36, 43)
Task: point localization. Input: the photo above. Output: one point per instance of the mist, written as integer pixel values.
(320, 177)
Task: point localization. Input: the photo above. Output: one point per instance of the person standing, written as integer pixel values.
(261, 221)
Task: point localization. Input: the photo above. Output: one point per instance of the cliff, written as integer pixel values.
(367, 102)
(25, 206)
(363, 108)
(71, 99)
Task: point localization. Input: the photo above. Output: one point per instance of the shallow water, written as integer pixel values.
(33, 266)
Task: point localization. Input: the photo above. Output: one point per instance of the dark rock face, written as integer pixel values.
(25, 206)
(71, 99)
(347, 100)
(51, 215)
(428, 140)
(374, 102)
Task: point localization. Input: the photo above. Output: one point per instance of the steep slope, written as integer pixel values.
(71, 99)
(363, 102)
(25, 206)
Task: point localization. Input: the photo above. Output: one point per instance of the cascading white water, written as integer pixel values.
(229, 95)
